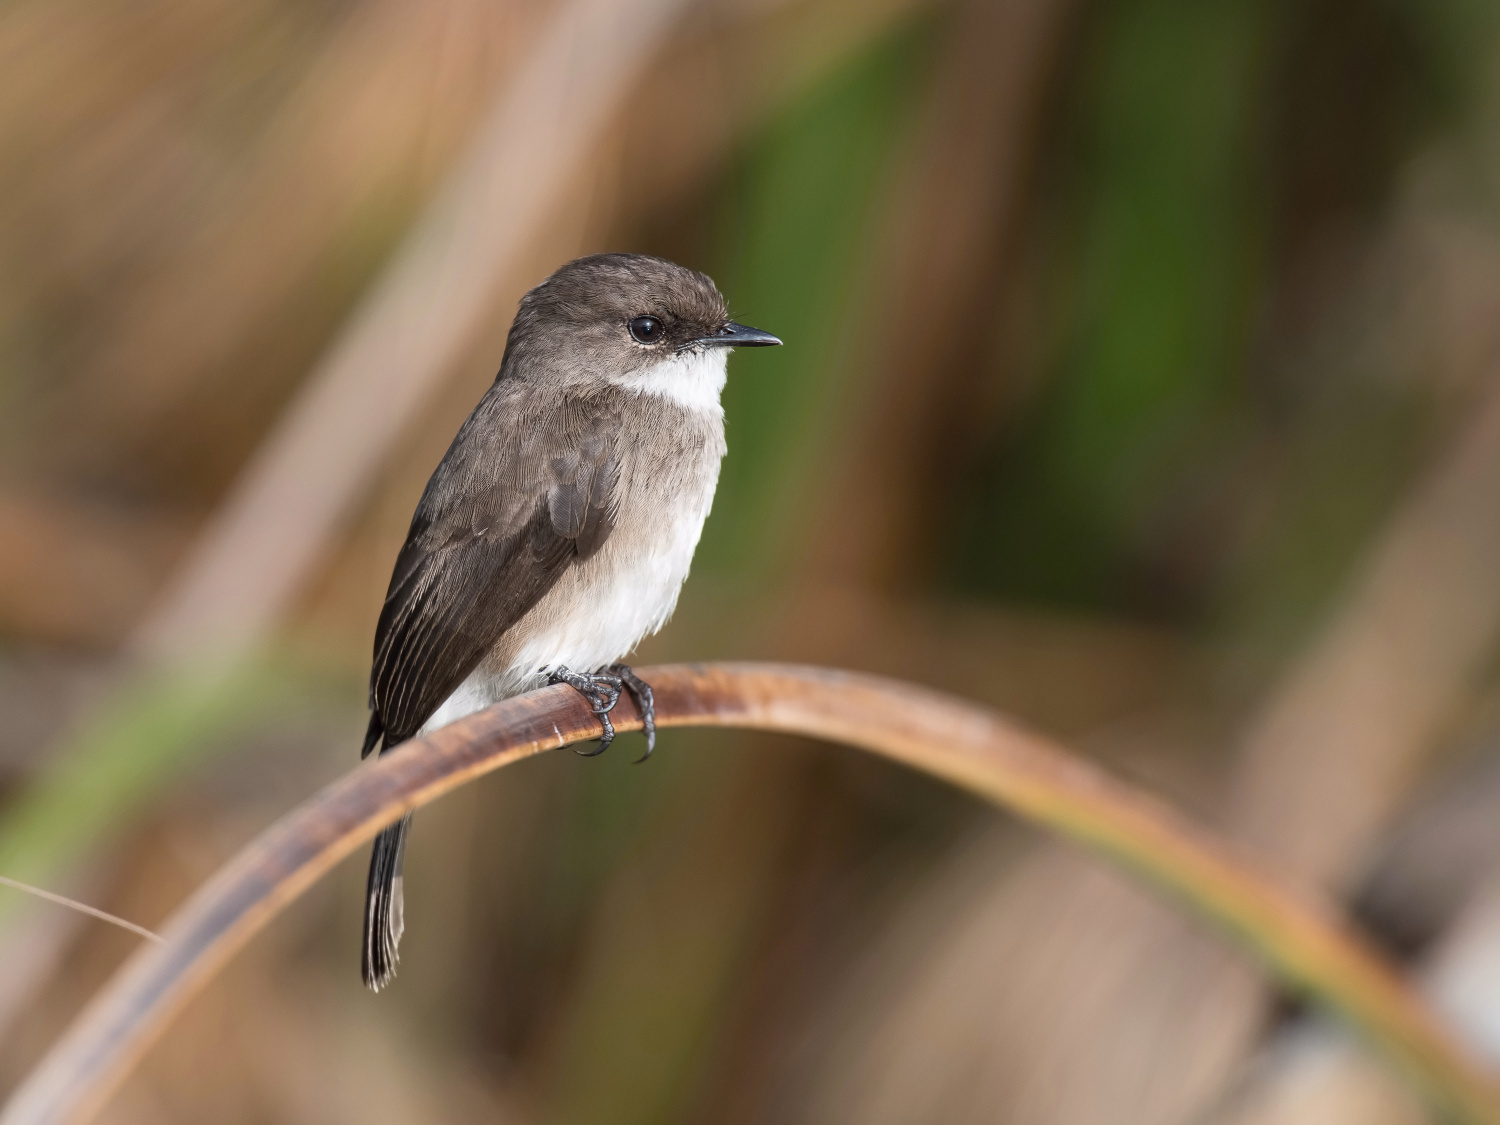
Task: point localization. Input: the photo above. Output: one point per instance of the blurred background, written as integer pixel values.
(1142, 380)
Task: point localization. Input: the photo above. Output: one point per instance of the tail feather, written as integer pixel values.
(373, 734)
(383, 910)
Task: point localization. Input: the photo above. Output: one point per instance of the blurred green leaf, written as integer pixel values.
(134, 745)
(798, 218)
(1165, 197)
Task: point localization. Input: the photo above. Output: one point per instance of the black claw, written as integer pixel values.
(606, 736)
(611, 693)
(601, 691)
(645, 702)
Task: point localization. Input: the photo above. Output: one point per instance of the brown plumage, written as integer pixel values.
(558, 528)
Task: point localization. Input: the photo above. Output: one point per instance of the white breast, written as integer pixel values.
(693, 379)
(602, 608)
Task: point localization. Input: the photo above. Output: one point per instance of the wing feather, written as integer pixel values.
(528, 488)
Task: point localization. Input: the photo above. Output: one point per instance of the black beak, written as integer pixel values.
(734, 335)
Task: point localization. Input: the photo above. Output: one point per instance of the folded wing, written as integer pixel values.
(528, 488)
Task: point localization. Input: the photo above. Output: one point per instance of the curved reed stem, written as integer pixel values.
(1299, 938)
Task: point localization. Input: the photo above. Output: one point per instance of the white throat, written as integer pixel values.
(693, 379)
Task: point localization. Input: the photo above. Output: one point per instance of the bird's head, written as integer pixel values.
(631, 320)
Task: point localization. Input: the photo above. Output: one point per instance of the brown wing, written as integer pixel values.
(527, 488)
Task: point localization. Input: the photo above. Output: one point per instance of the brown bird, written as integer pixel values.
(559, 527)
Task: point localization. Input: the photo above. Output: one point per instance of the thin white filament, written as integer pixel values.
(81, 907)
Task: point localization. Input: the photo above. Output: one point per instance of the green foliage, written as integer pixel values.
(133, 747)
(798, 214)
(1164, 193)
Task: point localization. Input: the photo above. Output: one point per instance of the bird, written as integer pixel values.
(557, 531)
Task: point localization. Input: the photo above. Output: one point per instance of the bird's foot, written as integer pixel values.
(602, 691)
(645, 702)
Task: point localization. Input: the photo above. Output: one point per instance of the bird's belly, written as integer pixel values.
(603, 607)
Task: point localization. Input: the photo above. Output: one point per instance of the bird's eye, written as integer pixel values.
(646, 329)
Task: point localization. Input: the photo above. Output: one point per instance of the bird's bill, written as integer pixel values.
(734, 335)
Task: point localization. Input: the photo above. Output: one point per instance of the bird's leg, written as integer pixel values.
(602, 691)
(645, 702)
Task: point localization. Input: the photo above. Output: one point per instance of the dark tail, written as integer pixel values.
(383, 922)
